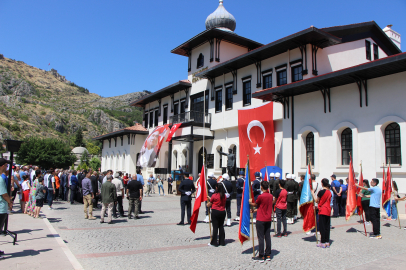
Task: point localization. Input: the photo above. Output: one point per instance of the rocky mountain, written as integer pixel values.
(44, 103)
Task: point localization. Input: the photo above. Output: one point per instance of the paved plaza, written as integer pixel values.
(65, 240)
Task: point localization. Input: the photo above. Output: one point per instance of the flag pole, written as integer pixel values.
(362, 214)
(204, 161)
(252, 214)
(314, 206)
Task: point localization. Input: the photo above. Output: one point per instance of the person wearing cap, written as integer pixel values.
(240, 188)
(228, 187)
(211, 188)
(186, 188)
(275, 186)
(271, 181)
(291, 189)
(336, 187)
(256, 189)
(120, 191)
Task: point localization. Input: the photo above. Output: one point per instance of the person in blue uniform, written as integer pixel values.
(211, 188)
(256, 189)
(240, 187)
(228, 187)
(186, 189)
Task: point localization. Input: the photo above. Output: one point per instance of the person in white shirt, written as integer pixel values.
(120, 191)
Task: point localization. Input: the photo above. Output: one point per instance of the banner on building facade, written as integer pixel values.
(151, 147)
(172, 132)
(257, 137)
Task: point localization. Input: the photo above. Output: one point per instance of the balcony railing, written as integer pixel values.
(191, 116)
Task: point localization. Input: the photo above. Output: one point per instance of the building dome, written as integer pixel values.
(221, 18)
(79, 150)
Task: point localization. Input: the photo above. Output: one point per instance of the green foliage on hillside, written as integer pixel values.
(127, 118)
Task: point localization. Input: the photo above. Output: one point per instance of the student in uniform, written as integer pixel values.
(211, 188)
(256, 189)
(240, 187)
(323, 199)
(374, 207)
(217, 204)
(228, 187)
(281, 208)
(264, 221)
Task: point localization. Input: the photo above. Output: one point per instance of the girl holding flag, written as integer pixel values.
(323, 199)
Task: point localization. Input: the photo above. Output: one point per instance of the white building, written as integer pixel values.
(336, 90)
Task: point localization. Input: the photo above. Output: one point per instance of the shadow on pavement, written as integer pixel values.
(24, 253)
(60, 208)
(147, 212)
(54, 220)
(203, 238)
(310, 239)
(26, 231)
(351, 230)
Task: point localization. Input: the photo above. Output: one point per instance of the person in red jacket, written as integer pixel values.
(263, 203)
(323, 200)
(281, 206)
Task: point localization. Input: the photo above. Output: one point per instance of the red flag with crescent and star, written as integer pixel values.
(257, 136)
(174, 128)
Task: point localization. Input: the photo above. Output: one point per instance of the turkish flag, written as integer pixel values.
(257, 137)
(173, 130)
(201, 196)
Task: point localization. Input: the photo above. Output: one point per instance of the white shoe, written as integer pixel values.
(237, 219)
(295, 218)
(228, 222)
(206, 220)
(254, 221)
(310, 233)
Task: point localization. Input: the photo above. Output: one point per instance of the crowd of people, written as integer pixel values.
(275, 200)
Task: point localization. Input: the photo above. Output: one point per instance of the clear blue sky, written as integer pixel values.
(122, 46)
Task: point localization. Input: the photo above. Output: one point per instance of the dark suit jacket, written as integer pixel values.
(213, 184)
(256, 188)
(240, 187)
(229, 188)
(186, 185)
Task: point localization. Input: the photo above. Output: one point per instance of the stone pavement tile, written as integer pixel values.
(392, 263)
(36, 246)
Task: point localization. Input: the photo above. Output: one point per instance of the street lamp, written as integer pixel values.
(12, 146)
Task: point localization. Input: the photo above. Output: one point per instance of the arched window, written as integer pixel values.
(175, 156)
(310, 148)
(200, 61)
(346, 146)
(221, 158)
(392, 144)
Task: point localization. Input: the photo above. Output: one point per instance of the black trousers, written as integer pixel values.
(289, 210)
(336, 205)
(169, 188)
(228, 208)
(119, 205)
(376, 223)
(56, 195)
(365, 206)
(264, 233)
(343, 205)
(238, 206)
(3, 218)
(295, 208)
(72, 193)
(95, 201)
(217, 219)
(324, 224)
(281, 217)
(14, 194)
(184, 204)
(139, 207)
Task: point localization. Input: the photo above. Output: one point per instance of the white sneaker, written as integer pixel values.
(310, 233)
(237, 219)
(254, 221)
(206, 220)
(228, 222)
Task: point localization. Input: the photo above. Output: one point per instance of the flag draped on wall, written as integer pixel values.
(351, 197)
(201, 196)
(256, 135)
(174, 128)
(306, 203)
(151, 147)
(244, 227)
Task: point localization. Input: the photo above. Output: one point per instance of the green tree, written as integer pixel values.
(93, 149)
(79, 138)
(95, 163)
(84, 158)
(46, 153)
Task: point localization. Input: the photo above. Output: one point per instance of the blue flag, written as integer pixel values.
(244, 229)
(306, 203)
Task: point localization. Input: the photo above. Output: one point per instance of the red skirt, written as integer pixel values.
(26, 195)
